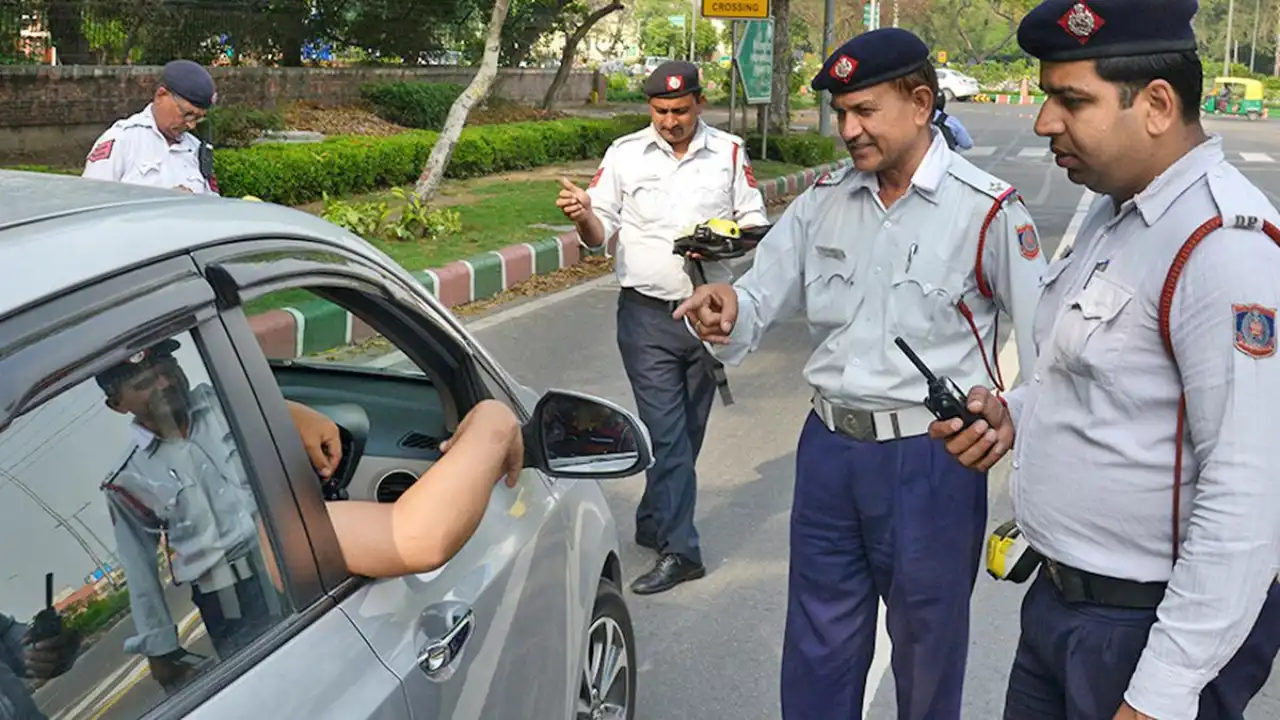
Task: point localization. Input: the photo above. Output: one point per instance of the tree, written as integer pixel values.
(571, 46)
(783, 66)
(476, 92)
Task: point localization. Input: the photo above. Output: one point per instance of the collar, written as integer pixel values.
(147, 118)
(927, 178)
(1154, 201)
(700, 141)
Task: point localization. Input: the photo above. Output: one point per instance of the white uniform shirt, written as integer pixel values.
(1096, 424)
(650, 198)
(133, 150)
(863, 275)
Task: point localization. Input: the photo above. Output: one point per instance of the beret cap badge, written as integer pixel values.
(1081, 22)
(843, 68)
(674, 82)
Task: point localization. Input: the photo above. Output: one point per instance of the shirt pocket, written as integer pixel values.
(712, 197)
(147, 172)
(1050, 290)
(647, 198)
(1092, 331)
(925, 292)
(828, 284)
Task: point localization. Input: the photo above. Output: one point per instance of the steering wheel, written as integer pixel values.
(353, 432)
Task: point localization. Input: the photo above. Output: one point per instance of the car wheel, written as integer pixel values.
(607, 689)
(1254, 115)
(950, 96)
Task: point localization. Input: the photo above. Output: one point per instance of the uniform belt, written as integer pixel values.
(240, 568)
(872, 426)
(636, 296)
(1083, 587)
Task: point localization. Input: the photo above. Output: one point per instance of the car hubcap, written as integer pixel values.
(606, 677)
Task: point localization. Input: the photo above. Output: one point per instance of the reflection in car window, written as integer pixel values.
(299, 325)
(133, 546)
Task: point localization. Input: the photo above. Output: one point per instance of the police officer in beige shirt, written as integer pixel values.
(651, 186)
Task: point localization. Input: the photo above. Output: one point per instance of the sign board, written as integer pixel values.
(942, 57)
(755, 61)
(735, 9)
(677, 20)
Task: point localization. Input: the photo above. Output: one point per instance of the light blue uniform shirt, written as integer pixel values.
(863, 274)
(1096, 423)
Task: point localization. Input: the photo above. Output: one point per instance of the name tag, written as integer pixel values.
(830, 252)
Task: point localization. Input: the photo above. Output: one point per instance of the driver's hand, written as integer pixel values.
(319, 436)
(493, 420)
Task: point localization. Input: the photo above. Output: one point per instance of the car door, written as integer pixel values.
(485, 636)
(67, 549)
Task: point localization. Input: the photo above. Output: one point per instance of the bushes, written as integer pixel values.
(296, 174)
(235, 126)
(413, 105)
(805, 149)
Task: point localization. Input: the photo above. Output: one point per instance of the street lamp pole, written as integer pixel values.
(61, 520)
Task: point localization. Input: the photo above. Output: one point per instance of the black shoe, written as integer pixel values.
(647, 541)
(670, 571)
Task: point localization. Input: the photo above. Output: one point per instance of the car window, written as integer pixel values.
(300, 325)
(133, 545)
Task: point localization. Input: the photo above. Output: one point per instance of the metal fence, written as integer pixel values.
(265, 32)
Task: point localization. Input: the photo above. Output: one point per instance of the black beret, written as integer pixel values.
(111, 378)
(190, 81)
(870, 59)
(1069, 30)
(672, 80)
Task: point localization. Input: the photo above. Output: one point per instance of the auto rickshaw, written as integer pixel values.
(1234, 96)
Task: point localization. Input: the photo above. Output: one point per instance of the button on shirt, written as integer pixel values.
(1096, 428)
(197, 487)
(863, 274)
(647, 195)
(135, 151)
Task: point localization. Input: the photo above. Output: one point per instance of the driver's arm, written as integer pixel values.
(319, 436)
(435, 517)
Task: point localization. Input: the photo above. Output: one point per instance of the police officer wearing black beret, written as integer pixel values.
(912, 241)
(651, 187)
(1140, 468)
(156, 147)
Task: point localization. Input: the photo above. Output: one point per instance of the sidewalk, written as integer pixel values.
(312, 328)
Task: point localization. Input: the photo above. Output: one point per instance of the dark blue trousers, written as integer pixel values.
(674, 390)
(1074, 662)
(900, 521)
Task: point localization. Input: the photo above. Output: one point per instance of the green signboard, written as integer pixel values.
(755, 61)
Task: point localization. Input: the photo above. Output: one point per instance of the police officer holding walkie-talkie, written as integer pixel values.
(43, 650)
(156, 147)
(913, 242)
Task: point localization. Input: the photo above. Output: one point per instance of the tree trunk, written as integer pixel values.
(476, 92)
(64, 23)
(783, 65)
(571, 46)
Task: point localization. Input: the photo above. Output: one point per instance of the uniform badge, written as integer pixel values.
(595, 179)
(102, 150)
(1255, 330)
(1028, 243)
(843, 68)
(750, 173)
(1081, 22)
(675, 82)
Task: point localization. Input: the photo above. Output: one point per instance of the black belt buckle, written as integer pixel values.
(1068, 581)
(854, 424)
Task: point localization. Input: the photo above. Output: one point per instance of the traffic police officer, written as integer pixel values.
(914, 241)
(1139, 470)
(155, 146)
(651, 186)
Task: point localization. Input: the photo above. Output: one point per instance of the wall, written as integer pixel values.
(52, 114)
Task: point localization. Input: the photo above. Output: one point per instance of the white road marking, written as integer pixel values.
(980, 151)
(1033, 152)
(1258, 157)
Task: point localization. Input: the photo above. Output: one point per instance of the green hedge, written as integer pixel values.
(292, 174)
(423, 106)
(236, 126)
(805, 149)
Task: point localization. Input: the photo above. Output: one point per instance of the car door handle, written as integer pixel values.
(439, 654)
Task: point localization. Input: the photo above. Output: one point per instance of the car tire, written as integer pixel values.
(950, 96)
(610, 641)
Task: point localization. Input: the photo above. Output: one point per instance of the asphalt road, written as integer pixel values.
(711, 648)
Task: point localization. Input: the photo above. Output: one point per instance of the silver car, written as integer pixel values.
(119, 553)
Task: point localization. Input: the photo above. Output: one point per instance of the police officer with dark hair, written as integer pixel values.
(156, 147)
(650, 188)
(1140, 468)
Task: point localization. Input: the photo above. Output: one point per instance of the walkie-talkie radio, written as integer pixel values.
(945, 399)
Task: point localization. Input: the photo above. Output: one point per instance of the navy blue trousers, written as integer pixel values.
(900, 521)
(1074, 662)
(674, 391)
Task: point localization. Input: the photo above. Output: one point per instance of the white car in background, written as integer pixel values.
(956, 85)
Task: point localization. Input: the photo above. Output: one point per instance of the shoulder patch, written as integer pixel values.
(595, 179)
(1028, 242)
(1255, 330)
(833, 177)
(102, 150)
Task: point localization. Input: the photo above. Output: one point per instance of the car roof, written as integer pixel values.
(58, 232)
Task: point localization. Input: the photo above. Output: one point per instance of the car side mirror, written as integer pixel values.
(572, 435)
